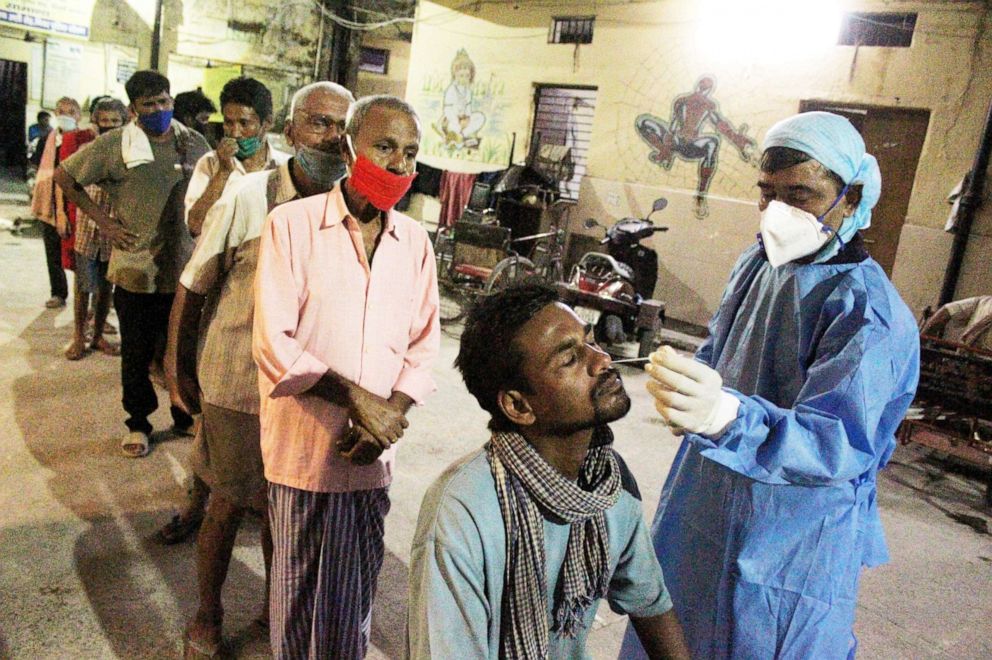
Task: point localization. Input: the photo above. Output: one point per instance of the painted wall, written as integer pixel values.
(280, 36)
(126, 23)
(99, 61)
(393, 82)
(703, 71)
(275, 42)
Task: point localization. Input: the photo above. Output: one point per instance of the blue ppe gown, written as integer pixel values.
(762, 532)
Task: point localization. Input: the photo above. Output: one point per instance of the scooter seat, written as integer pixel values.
(476, 272)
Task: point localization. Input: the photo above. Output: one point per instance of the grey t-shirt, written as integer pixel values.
(148, 201)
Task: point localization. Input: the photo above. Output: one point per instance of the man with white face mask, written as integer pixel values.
(44, 205)
(209, 361)
(787, 414)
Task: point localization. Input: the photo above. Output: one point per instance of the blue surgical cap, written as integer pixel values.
(836, 144)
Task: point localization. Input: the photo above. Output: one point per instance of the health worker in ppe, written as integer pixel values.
(787, 413)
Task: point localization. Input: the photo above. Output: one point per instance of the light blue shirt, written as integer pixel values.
(459, 558)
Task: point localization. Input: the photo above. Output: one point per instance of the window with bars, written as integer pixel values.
(893, 30)
(563, 116)
(571, 30)
(373, 60)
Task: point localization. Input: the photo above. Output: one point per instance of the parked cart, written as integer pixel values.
(954, 403)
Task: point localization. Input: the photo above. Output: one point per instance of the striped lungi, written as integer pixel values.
(328, 549)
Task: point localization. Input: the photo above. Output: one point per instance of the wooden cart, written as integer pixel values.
(955, 399)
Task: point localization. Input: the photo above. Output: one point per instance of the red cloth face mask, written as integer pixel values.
(381, 187)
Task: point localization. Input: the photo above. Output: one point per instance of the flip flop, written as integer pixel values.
(76, 351)
(195, 651)
(106, 347)
(135, 444)
(177, 529)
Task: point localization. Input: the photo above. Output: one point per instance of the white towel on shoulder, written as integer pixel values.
(136, 149)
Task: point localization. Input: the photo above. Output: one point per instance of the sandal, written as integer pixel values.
(194, 651)
(76, 350)
(108, 327)
(135, 444)
(105, 347)
(178, 530)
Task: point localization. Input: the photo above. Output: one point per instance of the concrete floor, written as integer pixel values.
(80, 577)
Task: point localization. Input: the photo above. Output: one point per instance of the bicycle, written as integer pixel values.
(549, 249)
(478, 259)
(467, 255)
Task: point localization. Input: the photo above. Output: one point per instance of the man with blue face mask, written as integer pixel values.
(144, 168)
(787, 414)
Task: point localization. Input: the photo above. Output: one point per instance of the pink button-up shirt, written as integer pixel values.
(319, 306)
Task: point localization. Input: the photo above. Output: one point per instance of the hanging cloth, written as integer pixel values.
(456, 189)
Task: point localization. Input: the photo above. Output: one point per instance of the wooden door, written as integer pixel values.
(14, 83)
(895, 137)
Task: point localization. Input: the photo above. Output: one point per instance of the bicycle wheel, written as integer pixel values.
(508, 272)
(444, 249)
(453, 304)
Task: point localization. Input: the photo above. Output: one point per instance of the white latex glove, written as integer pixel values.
(689, 394)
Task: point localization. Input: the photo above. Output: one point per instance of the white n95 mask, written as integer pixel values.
(788, 233)
(66, 123)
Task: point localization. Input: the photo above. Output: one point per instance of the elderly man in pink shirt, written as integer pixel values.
(345, 335)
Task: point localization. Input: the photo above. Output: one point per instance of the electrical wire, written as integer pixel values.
(453, 12)
(358, 26)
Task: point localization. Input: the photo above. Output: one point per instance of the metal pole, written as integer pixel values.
(44, 70)
(156, 35)
(340, 36)
(971, 199)
(320, 42)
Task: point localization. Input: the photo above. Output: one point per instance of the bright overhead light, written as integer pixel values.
(769, 27)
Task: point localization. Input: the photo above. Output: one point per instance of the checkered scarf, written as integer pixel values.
(525, 485)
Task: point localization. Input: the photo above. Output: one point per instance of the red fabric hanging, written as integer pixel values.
(456, 189)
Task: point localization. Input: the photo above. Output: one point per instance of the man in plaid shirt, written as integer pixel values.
(93, 253)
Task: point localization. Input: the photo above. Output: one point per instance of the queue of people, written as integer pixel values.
(298, 314)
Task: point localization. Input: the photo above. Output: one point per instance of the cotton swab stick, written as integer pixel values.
(632, 360)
